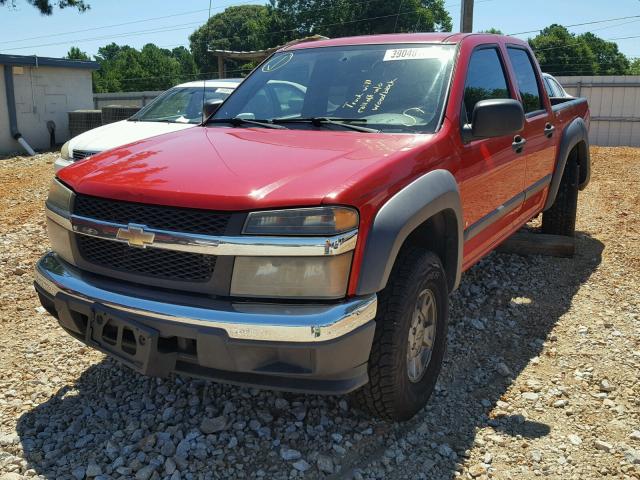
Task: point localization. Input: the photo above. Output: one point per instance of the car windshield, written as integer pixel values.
(180, 104)
(390, 88)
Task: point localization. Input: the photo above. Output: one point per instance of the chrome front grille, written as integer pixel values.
(82, 154)
(131, 262)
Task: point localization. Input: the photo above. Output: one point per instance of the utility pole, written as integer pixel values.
(466, 16)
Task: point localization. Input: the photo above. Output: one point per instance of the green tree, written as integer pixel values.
(109, 52)
(339, 18)
(245, 27)
(496, 31)
(160, 69)
(75, 53)
(560, 52)
(609, 60)
(634, 67)
(188, 67)
(46, 6)
(125, 69)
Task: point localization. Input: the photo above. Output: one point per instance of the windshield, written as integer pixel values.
(181, 104)
(391, 88)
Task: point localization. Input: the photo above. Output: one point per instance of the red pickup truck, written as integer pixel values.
(307, 235)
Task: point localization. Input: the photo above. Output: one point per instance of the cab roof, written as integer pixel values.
(437, 37)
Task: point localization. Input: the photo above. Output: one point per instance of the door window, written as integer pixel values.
(526, 80)
(485, 79)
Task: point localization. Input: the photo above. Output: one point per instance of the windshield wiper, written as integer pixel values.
(237, 121)
(319, 121)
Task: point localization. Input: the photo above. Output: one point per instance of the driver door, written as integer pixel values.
(491, 174)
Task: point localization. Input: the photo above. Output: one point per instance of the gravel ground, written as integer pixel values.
(541, 378)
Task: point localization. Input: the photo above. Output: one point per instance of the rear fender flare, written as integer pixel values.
(572, 135)
(430, 194)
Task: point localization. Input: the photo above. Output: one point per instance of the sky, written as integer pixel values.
(24, 31)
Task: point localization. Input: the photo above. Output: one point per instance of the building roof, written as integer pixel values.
(36, 61)
(260, 54)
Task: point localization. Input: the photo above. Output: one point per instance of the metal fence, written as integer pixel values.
(615, 107)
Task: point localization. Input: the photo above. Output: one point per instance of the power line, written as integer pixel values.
(181, 26)
(163, 29)
(142, 20)
(625, 38)
(612, 26)
(168, 28)
(580, 24)
(328, 24)
(103, 27)
(536, 50)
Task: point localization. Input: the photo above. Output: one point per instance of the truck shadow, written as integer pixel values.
(501, 317)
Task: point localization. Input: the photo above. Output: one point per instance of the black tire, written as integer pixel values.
(390, 394)
(560, 219)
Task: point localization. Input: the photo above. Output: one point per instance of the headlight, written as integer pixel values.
(302, 221)
(59, 202)
(59, 196)
(296, 277)
(291, 277)
(64, 151)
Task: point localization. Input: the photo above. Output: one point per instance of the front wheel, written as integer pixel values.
(410, 338)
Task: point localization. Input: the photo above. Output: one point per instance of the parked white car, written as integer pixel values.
(553, 87)
(178, 108)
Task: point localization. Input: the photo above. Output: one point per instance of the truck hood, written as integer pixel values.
(115, 134)
(222, 168)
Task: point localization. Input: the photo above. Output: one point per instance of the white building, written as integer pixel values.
(35, 91)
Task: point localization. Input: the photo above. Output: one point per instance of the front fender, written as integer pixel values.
(430, 194)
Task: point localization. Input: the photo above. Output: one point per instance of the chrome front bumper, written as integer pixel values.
(283, 322)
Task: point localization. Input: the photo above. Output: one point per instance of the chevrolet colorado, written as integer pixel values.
(306, 239)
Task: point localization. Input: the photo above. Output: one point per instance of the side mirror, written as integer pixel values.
(211, 107)
(494, 118)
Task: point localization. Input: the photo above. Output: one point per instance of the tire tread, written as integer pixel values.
(560, 219)
(377, 396)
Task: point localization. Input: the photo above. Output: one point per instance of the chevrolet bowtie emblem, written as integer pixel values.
(135, 235)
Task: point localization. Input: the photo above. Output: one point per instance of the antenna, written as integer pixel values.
(204, 80)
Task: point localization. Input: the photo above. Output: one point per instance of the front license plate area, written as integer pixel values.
(129, 341)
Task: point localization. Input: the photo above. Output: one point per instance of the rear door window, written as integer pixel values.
(485, 79)
(526, 79)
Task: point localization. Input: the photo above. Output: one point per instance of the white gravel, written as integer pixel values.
(541, 377)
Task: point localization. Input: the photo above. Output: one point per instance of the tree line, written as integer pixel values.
(259, 27)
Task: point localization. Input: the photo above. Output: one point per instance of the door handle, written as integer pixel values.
(518, 143)
(548, 130)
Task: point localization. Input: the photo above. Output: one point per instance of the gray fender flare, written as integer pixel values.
(573, 134)
(430, 194)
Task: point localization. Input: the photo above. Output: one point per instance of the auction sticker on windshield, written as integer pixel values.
(277, 62)
(413, 53)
